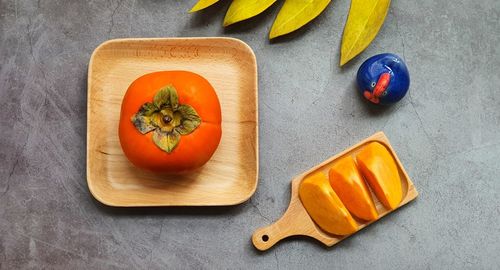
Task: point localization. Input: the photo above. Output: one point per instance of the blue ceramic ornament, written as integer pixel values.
(383, 79)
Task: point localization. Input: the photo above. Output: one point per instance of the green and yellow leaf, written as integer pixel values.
(190, 119)
(295, 14)
(167, 141)
(202, 4)
(143, 120)
(142, 123)
(363, 23)
(244, 9)
(167, 96)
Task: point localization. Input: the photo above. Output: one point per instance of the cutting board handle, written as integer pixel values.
(295, 221)
(265, 237)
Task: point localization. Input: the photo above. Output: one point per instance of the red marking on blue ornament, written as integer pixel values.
(379, 90)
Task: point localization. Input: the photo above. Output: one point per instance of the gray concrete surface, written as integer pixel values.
(447, 133)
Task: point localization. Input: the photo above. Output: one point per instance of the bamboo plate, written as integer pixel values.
(296, 221)
(229, 178)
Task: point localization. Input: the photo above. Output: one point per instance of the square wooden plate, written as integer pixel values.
(229, 178)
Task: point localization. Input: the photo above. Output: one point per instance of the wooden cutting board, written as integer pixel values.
(296, 220)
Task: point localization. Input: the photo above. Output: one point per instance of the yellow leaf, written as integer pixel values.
(295, 14)
(364, 21)
(244, 9)
(202, 4)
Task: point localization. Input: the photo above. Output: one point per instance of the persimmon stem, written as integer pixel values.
(166, 119)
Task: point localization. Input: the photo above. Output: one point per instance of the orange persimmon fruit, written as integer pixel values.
(324, 206)
(351, 189)
(170, 122)
(379, 168)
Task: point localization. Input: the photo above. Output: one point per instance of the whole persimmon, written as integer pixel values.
(170, 122)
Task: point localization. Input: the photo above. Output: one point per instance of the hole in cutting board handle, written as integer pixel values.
(265, 238)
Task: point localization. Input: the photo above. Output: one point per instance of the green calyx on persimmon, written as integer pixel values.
(166, 118)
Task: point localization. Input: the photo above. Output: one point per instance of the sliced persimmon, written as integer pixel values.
(379, 168)
(349, 185)
(324, 206)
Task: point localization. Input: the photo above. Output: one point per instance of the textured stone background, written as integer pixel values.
(447, 133)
